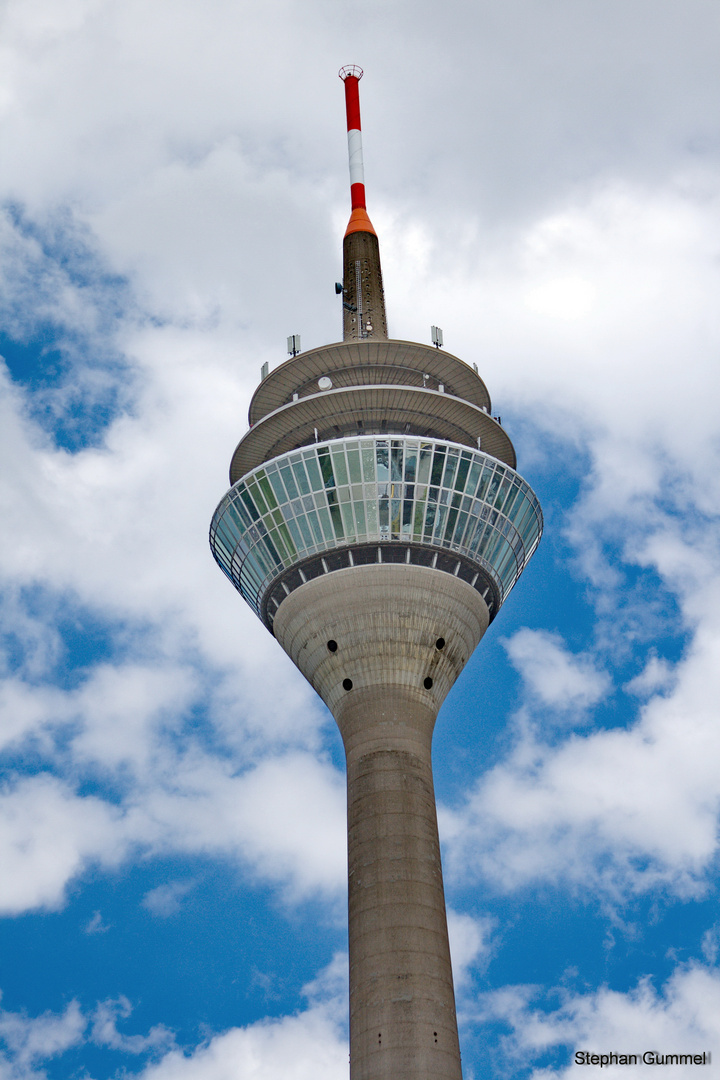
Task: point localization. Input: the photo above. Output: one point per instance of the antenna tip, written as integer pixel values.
(350, 71)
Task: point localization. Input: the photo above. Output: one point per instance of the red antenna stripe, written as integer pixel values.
(357, 196)
(352, 102)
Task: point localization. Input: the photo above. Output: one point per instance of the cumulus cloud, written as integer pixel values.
(620, 809)
(28, 1042)
(683, 1017)
(166, 900)
(104, 1031)
(552, 673)
(470, 944)
(304, 1047)
(47, 836)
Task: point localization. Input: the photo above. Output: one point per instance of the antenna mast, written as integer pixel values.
(362, 288)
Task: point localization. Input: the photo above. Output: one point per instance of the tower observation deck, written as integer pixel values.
(376, 524)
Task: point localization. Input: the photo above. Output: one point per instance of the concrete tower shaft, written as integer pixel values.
(376, 524)
(400, 634)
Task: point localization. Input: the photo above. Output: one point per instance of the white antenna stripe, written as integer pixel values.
(357, 173)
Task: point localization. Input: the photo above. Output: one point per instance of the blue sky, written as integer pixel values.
(173, 192)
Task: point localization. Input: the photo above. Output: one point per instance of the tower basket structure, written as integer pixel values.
(376, 524)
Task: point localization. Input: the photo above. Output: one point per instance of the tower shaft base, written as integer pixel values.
(402, 1004)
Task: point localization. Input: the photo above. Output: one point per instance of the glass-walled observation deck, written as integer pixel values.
(351, 501)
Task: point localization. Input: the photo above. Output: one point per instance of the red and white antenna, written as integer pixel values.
(351, 75)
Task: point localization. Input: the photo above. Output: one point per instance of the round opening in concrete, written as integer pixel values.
(427, 683)
(440, 643)
(332, 645)
(347, 684)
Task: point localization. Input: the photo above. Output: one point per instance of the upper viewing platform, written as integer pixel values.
(365, 363)
(371, 387)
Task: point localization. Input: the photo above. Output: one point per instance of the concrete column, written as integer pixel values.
(402, 1004)
(382, 644)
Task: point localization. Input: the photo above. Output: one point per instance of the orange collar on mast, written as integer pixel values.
(360, 222)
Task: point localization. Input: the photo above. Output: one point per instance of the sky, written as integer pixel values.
(544, 178)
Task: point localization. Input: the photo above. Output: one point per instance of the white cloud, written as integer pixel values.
(308, 1046)
(682, 1018)
(104, 1032)
(47, 836)
(624, 809)
(470, 944)
(657, 675)
(95, 925)
(30, 1041)
(166, 900)
(557, 677)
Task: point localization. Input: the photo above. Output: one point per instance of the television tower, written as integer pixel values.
(376, 524)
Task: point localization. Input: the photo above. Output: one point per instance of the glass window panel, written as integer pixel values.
(419, 518)
(327, 526)
(473, 475)
(371, 513)
(337, 521)
(429, 520)
(267, 490)
(383, 466)
(462, 472)
(460, 527)
(339, 466)
(424, 462)
(287, 539)
(437, 465)
(278, 486)
(289, 480)
(410, 464)
(520, 511)
(485, 481)
(348, 520)
(359, 509)
(296, 533)
(396, 461)
(277, 542)
(475, 543)
(249, 504)
(239, 508)
(300, 477)
(368, 461)
(326, 468)
(314, 523)
(304, 526)
(353, 456)
(502, 493)
(451, 519)
(395, 516)
(313, 470)
(256, 495)
(450, 467)
(384, 513)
